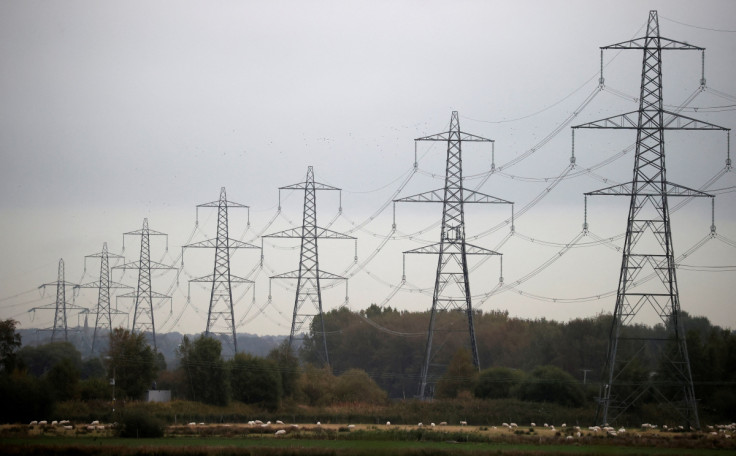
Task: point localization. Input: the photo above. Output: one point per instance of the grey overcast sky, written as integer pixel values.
(114, 111)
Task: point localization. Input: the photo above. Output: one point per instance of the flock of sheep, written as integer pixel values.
(725, 430)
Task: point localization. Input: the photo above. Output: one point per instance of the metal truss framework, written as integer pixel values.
(452, 285)
(143, 316)
(61, 307)
(308, 299)
(221, 315)
(104, 312)
(648, 249)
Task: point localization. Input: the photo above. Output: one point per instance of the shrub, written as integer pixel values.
(551, 384)
(498, 383)
(138, 424)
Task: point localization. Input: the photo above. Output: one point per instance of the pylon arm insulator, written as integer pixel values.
(650, 121)
(663, 44)
(137, 265)
(211, 277)
(322, 233)
(627, 190)
(231, 243)
(322, 275)
(453, 248)
(154, 294)
(446, 137)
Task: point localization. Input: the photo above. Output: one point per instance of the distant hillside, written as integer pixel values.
(167, 343)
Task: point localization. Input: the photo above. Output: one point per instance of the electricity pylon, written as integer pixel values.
(61, 307)
(221, 316)
(308, 276)
(104, 312)
(143, 316)
(648, 252)
(452, 285)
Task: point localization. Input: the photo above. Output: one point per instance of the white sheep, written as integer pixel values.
(443, 423)
(420, 425)
(90, 428)
(431, 424)
(54, 423)
(351, 426)
(463, 423)
(279, 422)
(100, 427)
(43, 423)
(95, 423)
(280, 432)
(388, 423)
(295, 426)
(533, 424)
(68, 428)
(319, 424)
(33, 423)
(258, 422)
(201, 424)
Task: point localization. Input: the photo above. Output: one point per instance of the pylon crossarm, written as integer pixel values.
(302, 186)
(452, 248)
(211, 277)
(154, 294)
(329, 234)
(688, 123)
(432, 196)
(230, 204)
(212, 243)
(97, 284)
(471, 196)
(137, 265)
(445, 136)
(645, 43)
(295, 275)
(626, 189)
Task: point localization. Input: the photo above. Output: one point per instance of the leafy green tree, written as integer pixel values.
(459, 376)
(24, 398)
(10, 343)
(132, 362)
(316, 385)
(288, 367)
(498, 383)
(39, 360)
(92, 368)
(355, 386)
(551, 384)
(63, 380)
(204, 368)
(255, 380)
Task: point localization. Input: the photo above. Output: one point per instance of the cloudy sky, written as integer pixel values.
(113, 112)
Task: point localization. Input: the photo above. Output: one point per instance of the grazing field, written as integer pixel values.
(343, 439)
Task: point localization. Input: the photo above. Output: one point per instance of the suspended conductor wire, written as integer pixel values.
(720, 94)
(699, 27)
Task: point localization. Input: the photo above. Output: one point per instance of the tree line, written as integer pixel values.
(376, 355)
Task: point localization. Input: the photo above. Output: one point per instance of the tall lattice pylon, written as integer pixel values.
(59, 329)
(659, 368)
(452, 285)
(308, 299)
(221, 315)
(143, 315)
(104, 311)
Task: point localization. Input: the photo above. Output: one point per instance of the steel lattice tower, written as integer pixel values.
(648, 251)
(308, 299)
(61, 307)
(143, 316)
(221, 316)
(104, 312)
(452, 285)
